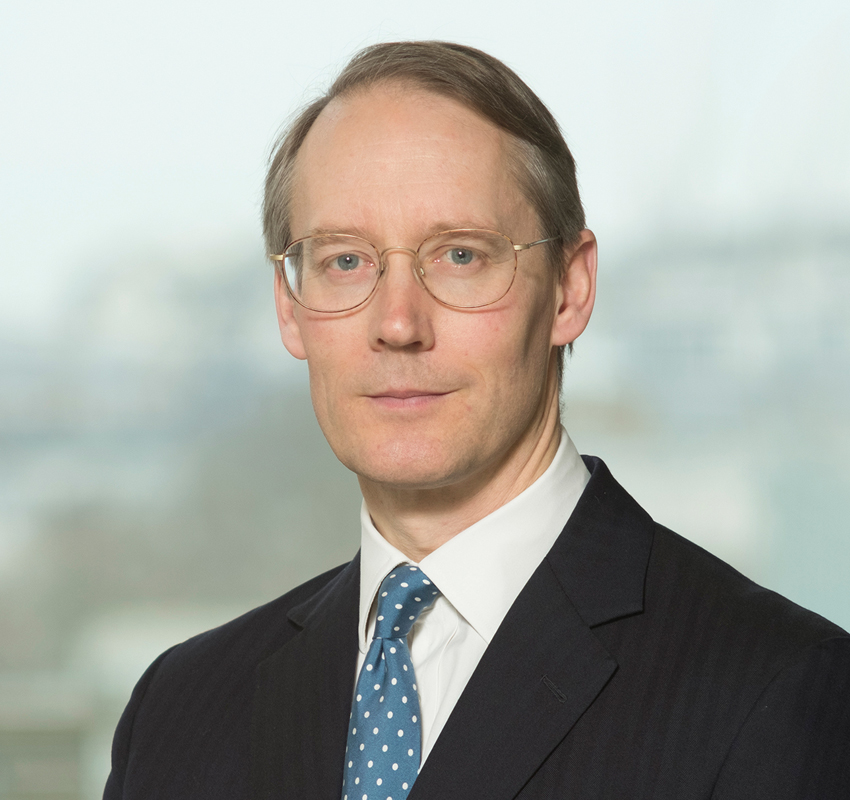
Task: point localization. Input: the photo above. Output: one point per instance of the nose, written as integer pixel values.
(401, 309)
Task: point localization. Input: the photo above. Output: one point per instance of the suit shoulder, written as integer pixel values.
(246, 640)
(683, 575)
(193, 706)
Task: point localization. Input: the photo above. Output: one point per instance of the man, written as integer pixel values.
(514, 625)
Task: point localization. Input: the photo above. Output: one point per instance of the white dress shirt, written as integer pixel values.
(480, 572)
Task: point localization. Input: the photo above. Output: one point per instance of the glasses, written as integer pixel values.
(466, 268)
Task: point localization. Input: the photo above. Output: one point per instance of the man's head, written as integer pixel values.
(540, 161)
(410, 392)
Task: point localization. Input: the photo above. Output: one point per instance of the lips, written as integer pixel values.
(406, 394)
(406, 399)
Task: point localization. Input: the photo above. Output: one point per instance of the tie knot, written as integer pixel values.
(404, 594)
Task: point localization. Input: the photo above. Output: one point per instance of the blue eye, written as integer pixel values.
(347, 262)
(461, 256)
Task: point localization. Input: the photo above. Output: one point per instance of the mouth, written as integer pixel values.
(406, 398)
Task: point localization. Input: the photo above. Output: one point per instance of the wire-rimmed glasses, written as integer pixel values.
(465, 268)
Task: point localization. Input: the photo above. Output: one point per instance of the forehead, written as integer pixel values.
(397, 156)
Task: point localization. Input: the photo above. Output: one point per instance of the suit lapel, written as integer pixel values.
(303, 697)
(545, 666)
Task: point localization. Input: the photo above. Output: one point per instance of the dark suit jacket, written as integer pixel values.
(632, 665)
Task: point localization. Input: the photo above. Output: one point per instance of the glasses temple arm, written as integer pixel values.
(532, 244)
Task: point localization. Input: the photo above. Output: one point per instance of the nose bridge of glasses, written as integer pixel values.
(415, 266)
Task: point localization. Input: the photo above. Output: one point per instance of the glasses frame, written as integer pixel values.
(418, 272)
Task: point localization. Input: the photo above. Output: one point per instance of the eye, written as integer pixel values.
(346, 262)
(461, 256)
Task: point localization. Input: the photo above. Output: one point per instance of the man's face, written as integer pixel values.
(412, 394)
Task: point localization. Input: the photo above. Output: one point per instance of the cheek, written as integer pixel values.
(509, 355)
(329, 361)
(527, 358)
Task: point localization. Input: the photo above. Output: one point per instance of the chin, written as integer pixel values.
(407, 462)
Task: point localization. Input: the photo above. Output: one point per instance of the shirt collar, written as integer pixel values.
(483, 569)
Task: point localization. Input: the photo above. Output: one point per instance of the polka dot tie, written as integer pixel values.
(384, 734)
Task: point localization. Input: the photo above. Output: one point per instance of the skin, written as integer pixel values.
(445, 415)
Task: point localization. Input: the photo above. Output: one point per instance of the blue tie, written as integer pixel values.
(384, 735)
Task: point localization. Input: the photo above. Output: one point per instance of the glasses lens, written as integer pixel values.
(331, 273)
(468, 268)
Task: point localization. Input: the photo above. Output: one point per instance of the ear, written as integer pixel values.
(575, 290)
(290, 334)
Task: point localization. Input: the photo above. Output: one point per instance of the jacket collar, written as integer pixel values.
(601, 557)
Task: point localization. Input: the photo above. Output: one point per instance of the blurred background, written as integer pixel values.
(160, 467)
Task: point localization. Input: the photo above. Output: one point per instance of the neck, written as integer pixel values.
(418, 521)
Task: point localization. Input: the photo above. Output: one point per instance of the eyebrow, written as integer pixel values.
(437, 227)
(340, 230)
